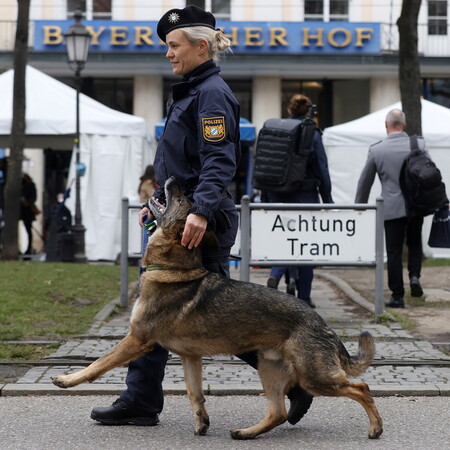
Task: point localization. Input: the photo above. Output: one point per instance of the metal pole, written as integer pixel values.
(245, 238)
(78, 228)
(124, 255)
(379, 258)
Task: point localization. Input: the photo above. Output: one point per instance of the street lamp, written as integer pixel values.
(77, 42)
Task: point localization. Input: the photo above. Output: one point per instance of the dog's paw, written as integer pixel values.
(201, 431)
(240, 435)
(59, 381)
(375, 434)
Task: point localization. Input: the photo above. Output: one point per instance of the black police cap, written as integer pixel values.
(191, 16)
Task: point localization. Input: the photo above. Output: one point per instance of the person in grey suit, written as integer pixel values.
(386, 158)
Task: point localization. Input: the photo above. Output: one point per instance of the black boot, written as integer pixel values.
(395, 303)
(300, 403)
(416, 288)
(120, 413)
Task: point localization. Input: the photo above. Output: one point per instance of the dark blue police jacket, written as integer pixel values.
(200, 142)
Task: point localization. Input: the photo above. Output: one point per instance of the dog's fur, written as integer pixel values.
(194, 313)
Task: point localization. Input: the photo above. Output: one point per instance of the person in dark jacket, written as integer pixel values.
(200, 148)
(28, 208)
(317, 182)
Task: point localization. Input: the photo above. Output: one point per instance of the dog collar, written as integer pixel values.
(164, 267)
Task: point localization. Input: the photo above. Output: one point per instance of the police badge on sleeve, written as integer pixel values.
(213, 128)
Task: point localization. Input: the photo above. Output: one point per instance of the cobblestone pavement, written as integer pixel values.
(403, 365)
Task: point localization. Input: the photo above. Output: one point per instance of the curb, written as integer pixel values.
(16, 390)
(348, 291)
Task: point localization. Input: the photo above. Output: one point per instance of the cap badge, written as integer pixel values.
(173, 17)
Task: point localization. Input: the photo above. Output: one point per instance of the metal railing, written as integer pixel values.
(378, 263)
(245, 209)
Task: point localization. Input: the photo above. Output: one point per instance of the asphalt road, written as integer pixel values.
(62, 423)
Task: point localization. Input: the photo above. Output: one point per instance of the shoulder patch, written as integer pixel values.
(213, 128)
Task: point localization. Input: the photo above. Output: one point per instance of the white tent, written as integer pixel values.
(115, 147)
(347, 147)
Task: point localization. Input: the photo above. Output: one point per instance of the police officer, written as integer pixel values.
(199, 147)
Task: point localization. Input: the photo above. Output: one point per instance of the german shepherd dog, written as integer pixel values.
(195, 313)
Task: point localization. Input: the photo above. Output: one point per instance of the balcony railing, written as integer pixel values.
(429, 45)
(8, 35)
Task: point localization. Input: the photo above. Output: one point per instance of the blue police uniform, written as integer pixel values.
(317, 181)
(200, 147)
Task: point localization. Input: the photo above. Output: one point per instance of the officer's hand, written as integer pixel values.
(144, 212)
(194, 230)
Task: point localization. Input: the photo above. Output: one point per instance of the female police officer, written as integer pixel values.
(200, 147)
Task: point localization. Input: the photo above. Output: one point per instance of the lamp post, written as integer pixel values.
(77, 42)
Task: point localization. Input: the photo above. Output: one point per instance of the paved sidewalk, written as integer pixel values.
(403, 365)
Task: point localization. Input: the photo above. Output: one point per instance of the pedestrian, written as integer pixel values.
(316, 186)
(147, 185)
(28, 208)
(386, 159)
(200, 147)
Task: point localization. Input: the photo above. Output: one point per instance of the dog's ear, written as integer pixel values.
(210, 240)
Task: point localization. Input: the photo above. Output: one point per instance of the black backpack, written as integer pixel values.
(421, 183)
(282, 154)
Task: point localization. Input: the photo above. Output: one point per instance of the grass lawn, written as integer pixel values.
(51, 301)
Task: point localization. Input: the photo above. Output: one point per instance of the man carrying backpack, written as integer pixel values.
(386, 159)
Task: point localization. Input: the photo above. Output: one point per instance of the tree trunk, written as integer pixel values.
(13, 184)
(409, 66)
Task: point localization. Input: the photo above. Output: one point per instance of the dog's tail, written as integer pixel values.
(356, 365)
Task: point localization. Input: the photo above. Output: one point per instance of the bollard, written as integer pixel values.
(124, 255)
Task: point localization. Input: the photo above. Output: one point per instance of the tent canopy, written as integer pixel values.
(370, 129)
(51, 113)
(347, 148)
(246, 129)
(115, 147)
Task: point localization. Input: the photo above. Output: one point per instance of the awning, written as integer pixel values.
(246, 128)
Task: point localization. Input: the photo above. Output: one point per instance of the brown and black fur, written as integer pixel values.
(195, 313)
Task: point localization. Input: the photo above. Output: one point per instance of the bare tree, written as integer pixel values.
(13, 184)
(409, 66)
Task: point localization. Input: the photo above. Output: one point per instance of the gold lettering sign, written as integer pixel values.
(332, 40)
(52, 35)
(307, 37)
(233, 36)
(95, 34)
(253, 36)
(363, 34)
(277, 36)
(119, 36)
(141, 35)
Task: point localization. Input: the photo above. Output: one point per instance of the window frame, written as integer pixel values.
(435, 22)
(88, 11)
(326, 15)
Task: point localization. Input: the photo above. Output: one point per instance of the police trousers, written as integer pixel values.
(145, 374)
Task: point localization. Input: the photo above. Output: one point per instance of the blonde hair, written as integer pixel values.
(217, 42)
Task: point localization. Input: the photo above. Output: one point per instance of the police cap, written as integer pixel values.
(191, 16)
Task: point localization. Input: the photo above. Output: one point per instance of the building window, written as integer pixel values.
(314, 10)
(326, 10)
(437, 17)
(92, 9)
(338, 10)
(220, 8)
